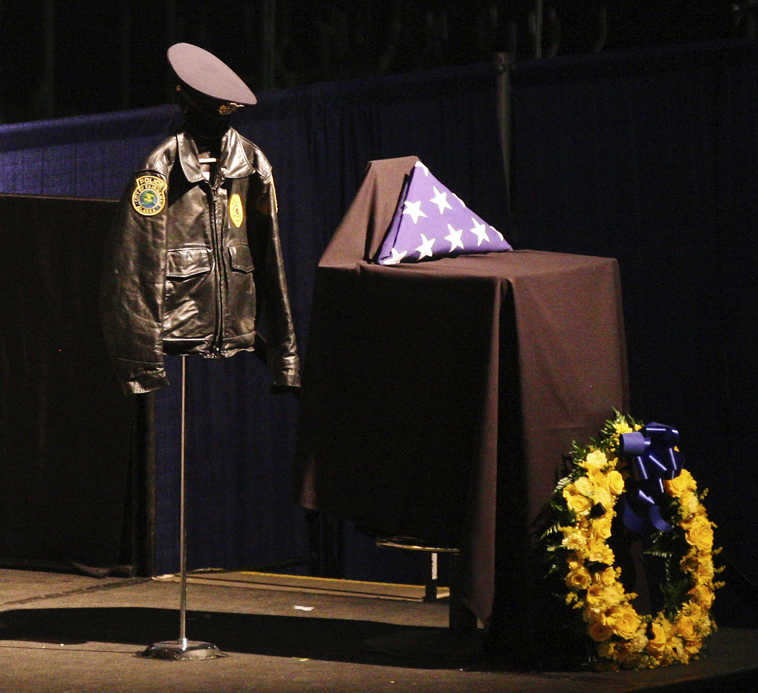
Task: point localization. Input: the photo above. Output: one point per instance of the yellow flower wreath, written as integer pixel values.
(578, 549)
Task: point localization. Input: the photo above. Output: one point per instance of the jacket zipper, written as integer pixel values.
(219, 262)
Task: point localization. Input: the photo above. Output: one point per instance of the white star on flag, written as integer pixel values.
(454, 238)
(425, 249)
(413, 209)
(396, 258)
(480, 232)
(422, 167)
(440, 199)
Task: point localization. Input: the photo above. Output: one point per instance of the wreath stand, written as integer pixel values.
(182, 648)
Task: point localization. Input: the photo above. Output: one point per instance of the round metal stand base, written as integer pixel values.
(182, 650)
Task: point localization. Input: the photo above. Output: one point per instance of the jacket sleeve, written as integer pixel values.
(131, 294)
(273, 300)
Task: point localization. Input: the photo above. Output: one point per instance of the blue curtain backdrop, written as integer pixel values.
(319, 139)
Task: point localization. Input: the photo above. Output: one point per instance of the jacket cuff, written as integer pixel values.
(287, 374)
(146, 382)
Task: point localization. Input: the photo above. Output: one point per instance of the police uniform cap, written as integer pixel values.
(208, 76)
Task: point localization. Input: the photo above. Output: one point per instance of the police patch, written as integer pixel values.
(149, 196)
(236, 211)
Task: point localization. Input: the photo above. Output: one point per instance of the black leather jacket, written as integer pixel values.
(191, 264)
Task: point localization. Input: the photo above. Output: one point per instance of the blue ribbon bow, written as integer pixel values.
(654, 459)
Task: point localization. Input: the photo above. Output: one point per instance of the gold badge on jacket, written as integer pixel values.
(149, 196)
(236, 211)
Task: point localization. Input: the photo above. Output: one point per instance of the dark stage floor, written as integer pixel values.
(63, 632)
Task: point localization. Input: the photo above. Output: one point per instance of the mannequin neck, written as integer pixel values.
(206, 130)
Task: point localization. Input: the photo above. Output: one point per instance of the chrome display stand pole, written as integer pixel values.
(182, 649)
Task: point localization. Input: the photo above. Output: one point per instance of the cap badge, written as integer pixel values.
(228, 108)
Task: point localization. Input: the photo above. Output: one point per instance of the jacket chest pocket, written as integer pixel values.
(190, 297)
(182, 263)
(188, 272)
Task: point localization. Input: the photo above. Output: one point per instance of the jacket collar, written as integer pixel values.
(232, 160)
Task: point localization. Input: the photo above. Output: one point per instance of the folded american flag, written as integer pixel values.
(431, 222)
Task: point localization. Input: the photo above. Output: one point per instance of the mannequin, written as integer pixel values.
(194, 258)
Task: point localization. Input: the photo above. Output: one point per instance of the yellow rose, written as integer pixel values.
(685, 628)
(693, 646)
(573, 539)
(677, 651)
(578, 579)
(578, 495)
(657, 643)
(626, 655)
(599, 632)
(704, 571)
(689, 563)
(680, 483)
(689, 504)
(601, 597)
(624, 621)
(576, 502)
(605, 577)
(598, 478)
(595, 460)
(665, 624)
(699, 533)
(600, 552)
(584, 486)
(694, 611)
(705, 626)
(702, 595)
(602, 495)
(639, 642)
(615, 483)
(601, 528)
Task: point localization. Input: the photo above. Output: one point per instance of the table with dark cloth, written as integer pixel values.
(439, 397)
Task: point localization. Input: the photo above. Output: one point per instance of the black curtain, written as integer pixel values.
(651, 158)
(68, 439)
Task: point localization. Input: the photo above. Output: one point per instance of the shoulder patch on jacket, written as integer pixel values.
(149, 195)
